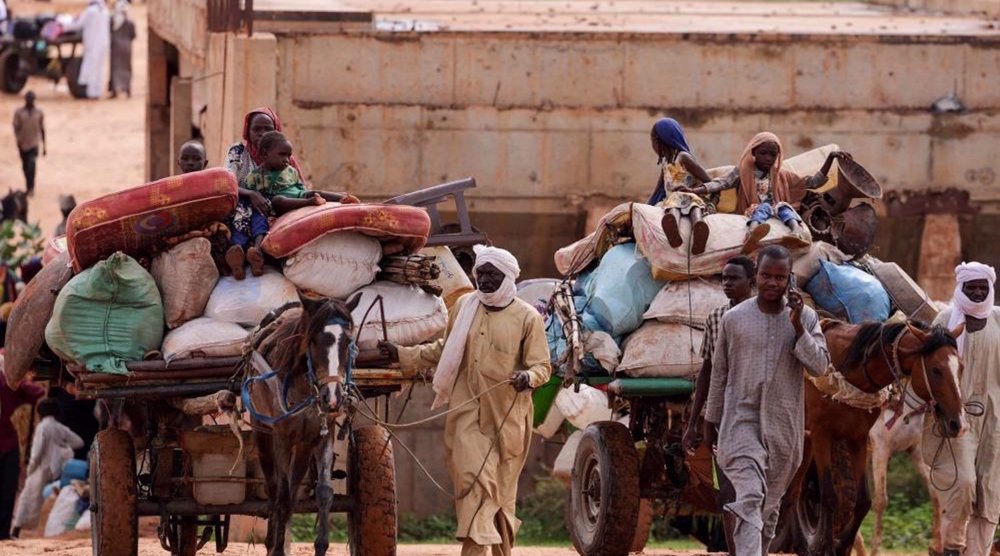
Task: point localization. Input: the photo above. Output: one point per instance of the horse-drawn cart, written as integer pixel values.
(627, 470)
(156, 458)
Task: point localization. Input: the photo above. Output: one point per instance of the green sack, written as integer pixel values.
(106, 315)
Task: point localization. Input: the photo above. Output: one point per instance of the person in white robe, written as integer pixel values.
(95, 24)
(970, 505)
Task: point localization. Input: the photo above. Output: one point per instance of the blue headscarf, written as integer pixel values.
(670, 133)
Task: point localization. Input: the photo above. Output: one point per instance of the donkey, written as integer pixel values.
(295, 406)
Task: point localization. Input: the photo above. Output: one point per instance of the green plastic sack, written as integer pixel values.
(106, 315)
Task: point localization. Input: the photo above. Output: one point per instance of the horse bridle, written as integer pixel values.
(315, 383)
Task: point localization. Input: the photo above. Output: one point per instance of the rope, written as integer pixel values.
(390, 426)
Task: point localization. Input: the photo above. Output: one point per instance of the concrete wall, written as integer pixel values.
(990, 8)
(555, 120)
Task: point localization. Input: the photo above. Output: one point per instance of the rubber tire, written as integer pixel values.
(73, 77)
(610, 532)
(10, 61)
(114, 516)
(644, 526)
(807, 539)
(372, 525)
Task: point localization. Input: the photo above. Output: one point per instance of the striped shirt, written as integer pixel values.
(712, 331)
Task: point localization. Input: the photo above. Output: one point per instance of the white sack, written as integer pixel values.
(335, 265)
(63, 512)
(246, 302)
(412, 315)
(83, 524)
(725, 240)
(204, 337)
(582, 408)
(186, 276)
(687, 302)
(660, 349)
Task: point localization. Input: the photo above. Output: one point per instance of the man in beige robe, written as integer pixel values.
(970, 509)
(493, 339)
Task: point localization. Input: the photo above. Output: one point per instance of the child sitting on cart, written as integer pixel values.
(275, 187)
(766, 190)
(679, 174)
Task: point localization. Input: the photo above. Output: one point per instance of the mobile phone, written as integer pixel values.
(792, 283)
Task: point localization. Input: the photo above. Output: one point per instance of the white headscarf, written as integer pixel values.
(961, 305)
(120, 14)
(454, 347)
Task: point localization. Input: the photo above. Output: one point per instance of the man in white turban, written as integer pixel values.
(493, 338)
(970, 509)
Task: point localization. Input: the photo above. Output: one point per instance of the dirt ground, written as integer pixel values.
(150, 547)
(94, 147)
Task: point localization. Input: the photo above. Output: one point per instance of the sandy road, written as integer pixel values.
(94, 147)
(150, 547)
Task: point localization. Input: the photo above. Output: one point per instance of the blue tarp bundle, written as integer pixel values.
(610, 298)
(849, 293)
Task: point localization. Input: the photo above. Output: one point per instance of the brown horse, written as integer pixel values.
(870, 356)
(294, 407)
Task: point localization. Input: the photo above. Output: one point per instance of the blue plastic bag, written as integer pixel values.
(619, 291)
(849, 293)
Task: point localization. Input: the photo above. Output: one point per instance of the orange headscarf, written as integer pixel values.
(786, 186)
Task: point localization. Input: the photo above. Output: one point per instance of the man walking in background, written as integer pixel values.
(970, 508)
(29, 130)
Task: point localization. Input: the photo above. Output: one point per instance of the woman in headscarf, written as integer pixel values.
(244, 156)
(766, 190)
(122, 35)
(679, 173)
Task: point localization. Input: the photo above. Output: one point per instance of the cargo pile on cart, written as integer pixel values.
(625, 328)
(133, 307)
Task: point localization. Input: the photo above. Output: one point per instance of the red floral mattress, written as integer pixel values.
(138, 219)
(391, 224)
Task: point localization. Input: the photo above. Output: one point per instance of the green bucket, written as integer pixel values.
(543, 397)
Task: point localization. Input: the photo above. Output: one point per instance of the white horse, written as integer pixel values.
(904, 436)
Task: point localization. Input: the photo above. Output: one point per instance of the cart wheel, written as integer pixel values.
(12, 79)
(604, 491)
(808, 510)
(114, 522)
(371, 525)
(644, 526)
(73, 78)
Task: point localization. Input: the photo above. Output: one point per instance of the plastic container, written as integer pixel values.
(218, 469)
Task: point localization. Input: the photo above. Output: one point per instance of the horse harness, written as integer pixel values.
(256, 360)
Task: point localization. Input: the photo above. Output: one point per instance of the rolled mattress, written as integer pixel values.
(138, 219)
(405, 225)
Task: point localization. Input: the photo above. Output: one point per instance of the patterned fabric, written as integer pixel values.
(756, 398)
(239, 163)
(286, 183)
(712, 331)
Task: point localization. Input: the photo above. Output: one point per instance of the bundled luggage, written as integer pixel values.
(186, 276)
(106, 315)
(114, 311)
